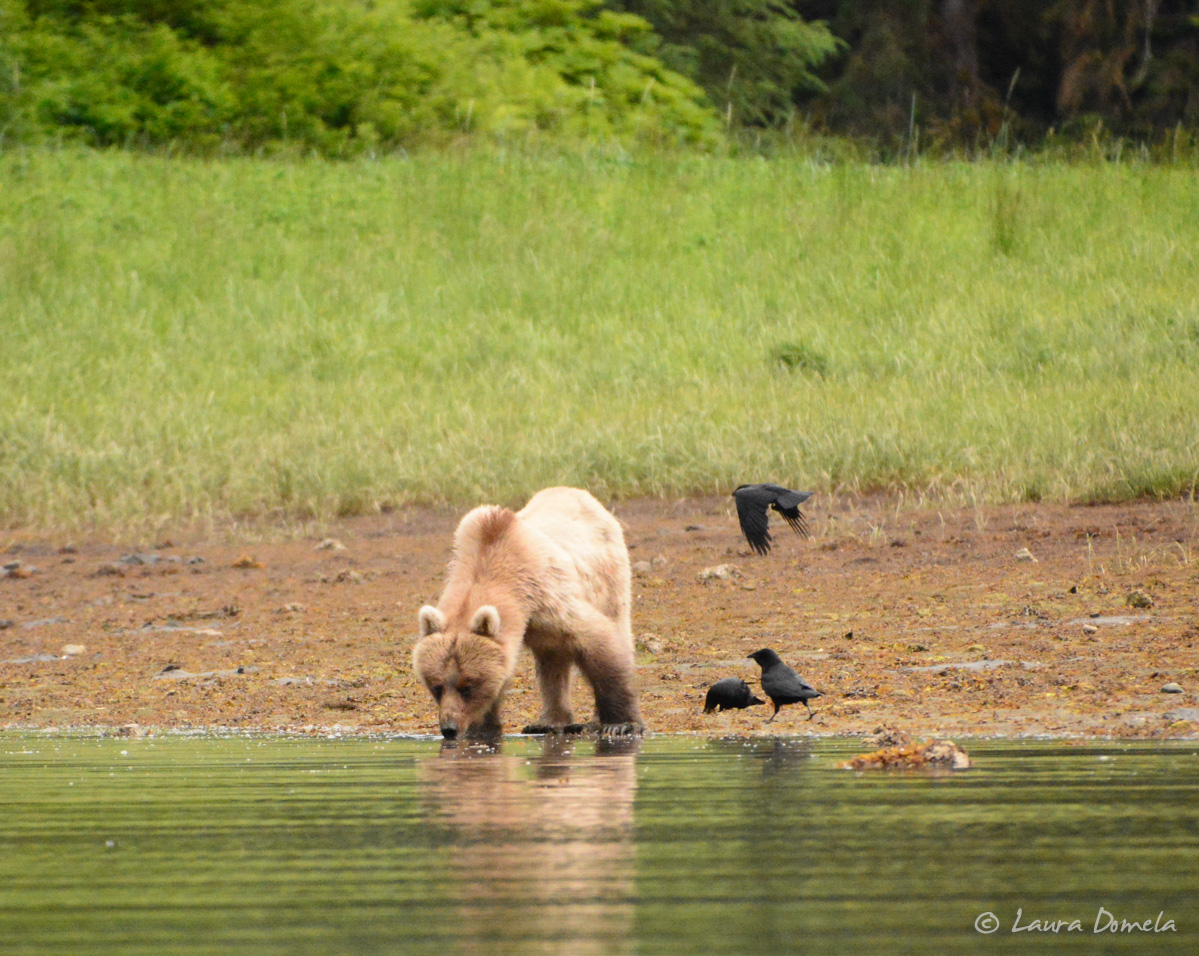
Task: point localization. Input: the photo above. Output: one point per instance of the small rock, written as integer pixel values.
(105, 570)
(659, 561)
(694, 527)
(73, 650)
(11, 566)
(1139, 599)
(1172, 688)
(195, 560)
(246, 562)
(348, 576)
(650, 643)
(44, 622)
(719, 572)
(1090, 629)
(1025, 555)
(291, 608)
(6, 623)
(330, 544)
(642, 568)
(977, 649)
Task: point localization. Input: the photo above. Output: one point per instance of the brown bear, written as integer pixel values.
(553, 576)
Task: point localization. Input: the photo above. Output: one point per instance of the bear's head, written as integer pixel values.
(465, 670)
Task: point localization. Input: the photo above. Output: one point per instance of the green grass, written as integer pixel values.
(183, 339)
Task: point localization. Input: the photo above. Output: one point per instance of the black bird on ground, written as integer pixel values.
(730, 693)
(781, 684)
(752, 502)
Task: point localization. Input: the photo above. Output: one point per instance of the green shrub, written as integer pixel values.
(337, 77)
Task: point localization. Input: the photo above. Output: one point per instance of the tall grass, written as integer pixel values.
(184, 338)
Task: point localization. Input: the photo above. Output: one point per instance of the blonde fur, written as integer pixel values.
(554, 577)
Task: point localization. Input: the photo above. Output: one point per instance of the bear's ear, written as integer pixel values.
(432, 621)
(486, 622)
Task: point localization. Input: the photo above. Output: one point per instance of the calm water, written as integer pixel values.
(674, 845)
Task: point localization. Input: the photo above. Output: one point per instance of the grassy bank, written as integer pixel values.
(186, 338)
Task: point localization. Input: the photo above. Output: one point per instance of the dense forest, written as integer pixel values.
(341, 77)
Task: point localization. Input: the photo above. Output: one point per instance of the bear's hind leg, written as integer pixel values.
(553, 676)
(606, 660)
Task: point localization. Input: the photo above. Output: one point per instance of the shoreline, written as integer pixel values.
(930, 620)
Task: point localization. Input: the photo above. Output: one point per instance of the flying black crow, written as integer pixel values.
(781, 684)
(730, 693)
(752, 502)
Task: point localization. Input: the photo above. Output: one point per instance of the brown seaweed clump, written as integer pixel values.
(943, 754)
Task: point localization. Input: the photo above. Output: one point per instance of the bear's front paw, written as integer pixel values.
(622, 730)
(555, 729)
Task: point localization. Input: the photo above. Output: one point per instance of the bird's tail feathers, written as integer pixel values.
(799, 524)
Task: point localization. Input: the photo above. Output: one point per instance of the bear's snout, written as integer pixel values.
(449, 730)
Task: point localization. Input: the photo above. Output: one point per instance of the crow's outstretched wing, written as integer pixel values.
(786, 503)
(752, 502)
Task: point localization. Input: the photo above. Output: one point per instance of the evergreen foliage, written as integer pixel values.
(753, 57)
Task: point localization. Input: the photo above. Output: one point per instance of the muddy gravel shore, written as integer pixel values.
(999, 621)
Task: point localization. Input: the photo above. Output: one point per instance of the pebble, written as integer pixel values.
(1139, 599)
(1090, 629)
(642, 567)
(650, 643)
(330, 544)
(1025, 555)
(720, 572)
(144, 558)
(175, 672)
(1172, 688)
(73, 650)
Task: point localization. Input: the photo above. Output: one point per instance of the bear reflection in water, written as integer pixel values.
(542, 851)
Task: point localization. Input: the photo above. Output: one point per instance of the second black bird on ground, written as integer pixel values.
(781, 684)
(730, 693)
(752, 502)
